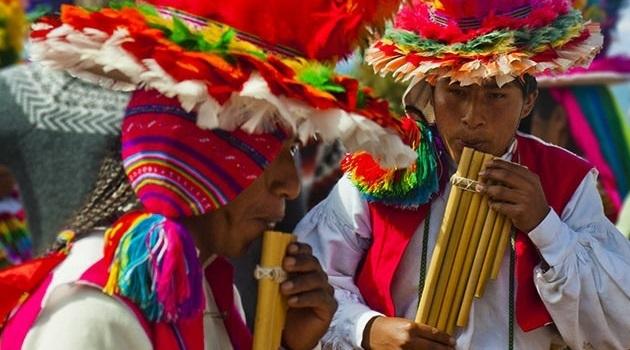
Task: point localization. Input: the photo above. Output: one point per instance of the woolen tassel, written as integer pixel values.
(403, 188)
(155, 265)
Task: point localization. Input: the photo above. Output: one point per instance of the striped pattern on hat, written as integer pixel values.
(178, 169)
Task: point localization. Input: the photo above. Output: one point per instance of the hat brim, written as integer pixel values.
(603, 71)
(229, 82)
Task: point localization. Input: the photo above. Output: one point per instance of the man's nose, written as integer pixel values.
(473, 114)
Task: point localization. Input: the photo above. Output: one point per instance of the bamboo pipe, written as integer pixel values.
(271, 307)
(503, 243)
(451, 248)
(459, 249)
(479, 222)
(473, 280)
(489, 258)
(422, 316)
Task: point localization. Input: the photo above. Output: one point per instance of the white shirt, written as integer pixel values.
(81, 317)
(586, 290)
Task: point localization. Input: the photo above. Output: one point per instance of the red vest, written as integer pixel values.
(185, 334)
(560, 172)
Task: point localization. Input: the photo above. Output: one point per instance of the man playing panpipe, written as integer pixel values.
(565, 275)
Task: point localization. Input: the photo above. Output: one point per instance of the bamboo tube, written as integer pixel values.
(479, 222)
(471, 285)
(271, 307)
(424, 307)
(459, 249)
(489, 259)
(451, 247)
(503, 243)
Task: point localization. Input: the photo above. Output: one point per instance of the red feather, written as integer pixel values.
(321, 29)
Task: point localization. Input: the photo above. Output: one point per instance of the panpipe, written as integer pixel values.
(271, 306)
(468, 251)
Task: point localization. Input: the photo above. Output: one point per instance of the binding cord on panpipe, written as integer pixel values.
(468, 251)
(271, 306)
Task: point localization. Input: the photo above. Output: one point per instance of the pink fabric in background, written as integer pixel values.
(587, 141)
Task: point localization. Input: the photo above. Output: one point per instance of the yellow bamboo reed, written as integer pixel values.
(459, 249)
(271, 307)
(451, 248)
(475, 238)
(424, 307)
(473, 279)
(503, 244)
(490, 253)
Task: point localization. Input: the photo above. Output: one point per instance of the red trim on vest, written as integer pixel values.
(220, 277)
(560, 172)
(382, 259)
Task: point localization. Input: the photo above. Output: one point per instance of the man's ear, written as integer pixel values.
(529, 103)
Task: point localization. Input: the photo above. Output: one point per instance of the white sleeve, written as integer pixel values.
(339, 231)
(587, 287)
(85, 318)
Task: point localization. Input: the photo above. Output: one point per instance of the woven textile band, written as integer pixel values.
(475, 23)
(200, 22)
(464, 183)
(276, 274)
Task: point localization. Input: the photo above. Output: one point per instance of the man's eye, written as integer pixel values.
(497, 96)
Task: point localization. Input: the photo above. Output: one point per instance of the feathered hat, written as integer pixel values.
(239, 64)
(468, 41)
(219, 86)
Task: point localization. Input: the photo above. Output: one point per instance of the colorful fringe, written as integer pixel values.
(403, 188)
(154, 263)
(503, 53)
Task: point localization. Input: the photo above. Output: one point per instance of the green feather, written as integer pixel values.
(320, 77)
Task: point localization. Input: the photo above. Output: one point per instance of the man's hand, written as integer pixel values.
(516, 192)
(310, 298)
(385, 333)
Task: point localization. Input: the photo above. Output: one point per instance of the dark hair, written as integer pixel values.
(111, 197)
(529, 85)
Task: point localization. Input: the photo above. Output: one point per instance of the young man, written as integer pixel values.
(471, 66)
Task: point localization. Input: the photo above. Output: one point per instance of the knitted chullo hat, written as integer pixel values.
(224, 83)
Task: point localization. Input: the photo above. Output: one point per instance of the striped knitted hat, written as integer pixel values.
(178, 169)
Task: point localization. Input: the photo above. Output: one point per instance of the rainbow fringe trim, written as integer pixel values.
(404, 188)
(154, 263)
(15, 240)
